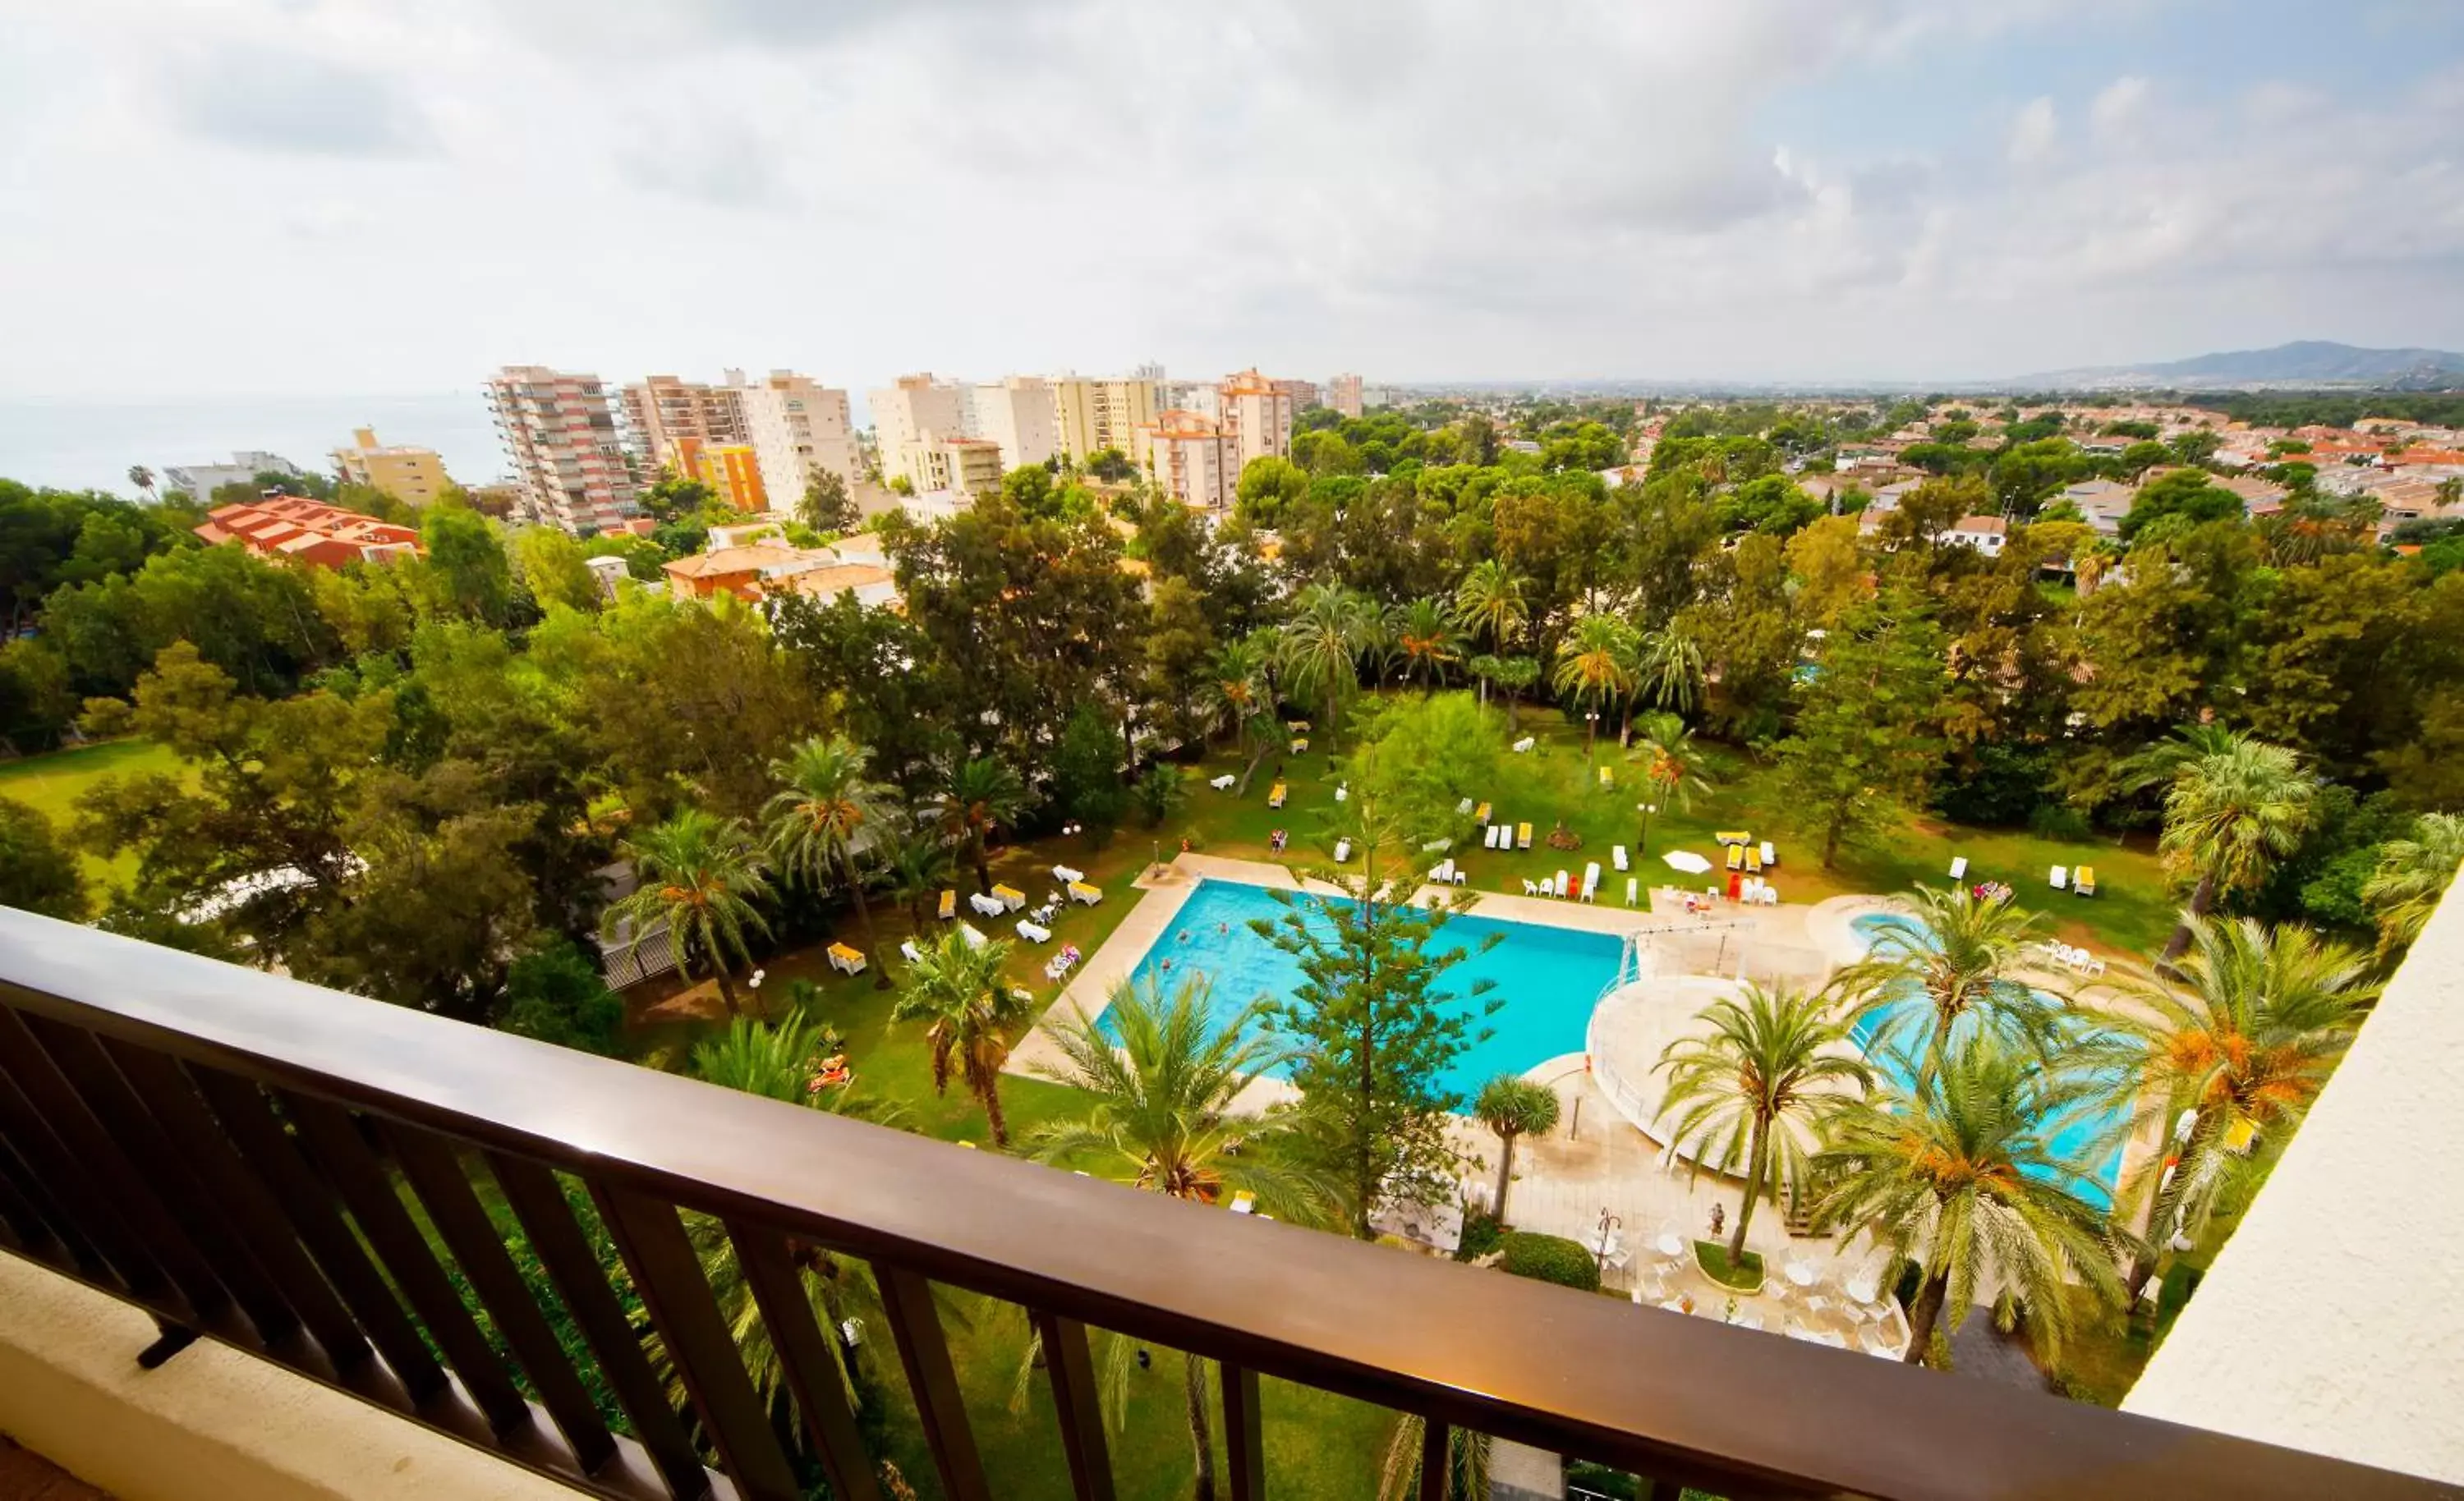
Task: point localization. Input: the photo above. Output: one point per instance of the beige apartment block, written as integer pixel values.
(1017, 413)
(933, 462)
(668, 419)
(1343, 393)
(907, 417)
(1094, 414)
(1257, 416)
(799, 429)
(1191, 457)
(405, 472)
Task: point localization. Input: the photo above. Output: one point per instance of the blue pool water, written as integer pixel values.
(1548, 978)
(1907, 1019)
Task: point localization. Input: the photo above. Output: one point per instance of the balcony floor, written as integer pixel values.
(28, 1476)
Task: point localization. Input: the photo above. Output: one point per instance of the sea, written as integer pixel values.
(89, 444)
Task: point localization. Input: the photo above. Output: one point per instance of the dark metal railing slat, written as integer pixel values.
(44, 1229)
(1077, 1402)
(39, 1122)
(932, 1381)
(256, 1216)
(668, 1274)
(1435, 1467)
(1245, 1439)
(803, 1348)
(124, 1115)
(437, 1176)
(539, 1202)
(308, 1202)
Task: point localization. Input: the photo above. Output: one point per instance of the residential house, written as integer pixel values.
(1986, 534)
(309, 531)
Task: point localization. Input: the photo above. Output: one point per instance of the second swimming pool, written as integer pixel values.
(1548, 977)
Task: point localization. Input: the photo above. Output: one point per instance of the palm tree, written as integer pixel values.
(825, 814)
(2412, 874)
(977, 797)
(1596, 667)
(1427, 641)
(958, 991)
(1668, 668)
(698, 874)
(1960, 1176)
(783, 1061)
(1489, 604)
(1237, 695)
(142, 478)
(1160, 1119)
(1671, 768)
(1512, 1106)
(2243, 1043)
(1771, 1067)
(1959, 953)
(1320, 646)
(2233, 806)
(919, 866)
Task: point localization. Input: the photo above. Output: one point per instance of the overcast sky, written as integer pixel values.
(239, 197)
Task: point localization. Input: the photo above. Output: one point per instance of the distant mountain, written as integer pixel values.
(2307, 362)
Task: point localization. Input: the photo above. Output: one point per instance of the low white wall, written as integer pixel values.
(2334, 1318)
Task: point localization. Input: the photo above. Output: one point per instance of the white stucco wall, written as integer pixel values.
(2334, 1318)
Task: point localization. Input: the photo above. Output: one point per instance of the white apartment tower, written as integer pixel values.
(1257, 416)
(1343, 393)
(1019, 415)
(798, 428)
(1091, 415)
(560, 434)
(907, 418)
(1192, 457)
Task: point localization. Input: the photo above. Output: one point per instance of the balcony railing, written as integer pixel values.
(240, 1154)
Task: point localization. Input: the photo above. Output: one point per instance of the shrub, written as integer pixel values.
(1550, 1258)
(1482, 1235)
(2051, 820)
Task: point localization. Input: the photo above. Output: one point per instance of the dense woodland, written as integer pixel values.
(443, 751)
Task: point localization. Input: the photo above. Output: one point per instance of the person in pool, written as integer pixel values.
(1183, 937)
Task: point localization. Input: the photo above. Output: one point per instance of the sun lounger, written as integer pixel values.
(985, 905)
(1080, 891)
(972, 934)
(1299, 726)
(1342, 793)
(1618, 855)
(1480, 814)
(1523, 746)
(1591, 880)
(2061, 877)
(1753, 860)
(1958, 868)
(909, 953)
(1607, 780)
(949, 905)
(1462, 807)
(1342, 851)
(1010, 897)
(1223, 783)
(1034, 933)
(1488, 837)
(1300, 744)
(1523, 836)
(1275, 795)
(1771, 856)
(846, 960)
(1632, 889)
(1065, 874)
(2084, 883)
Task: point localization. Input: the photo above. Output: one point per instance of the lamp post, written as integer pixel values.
(1591, 734)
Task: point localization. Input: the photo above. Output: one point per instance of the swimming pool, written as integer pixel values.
(1548, 977)
(1908, 1017)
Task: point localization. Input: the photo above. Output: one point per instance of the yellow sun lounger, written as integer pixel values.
(1080, 891)
(2084, 881)
(1606, 780)
(1480, 814)
(1736, 857)
(1523, 836)
(1300, 743)
(949, 905)
(1010, 897)
(846, 960)
(1275, 797)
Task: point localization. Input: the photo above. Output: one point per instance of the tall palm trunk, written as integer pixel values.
(983, 865)
(987, 1088)
(1504, 1170)
(1264, 745)
(2203, 896)
(1201, 1438)
(1924, 1316)
(1756, 1148)
(864, 920)
(727, 989)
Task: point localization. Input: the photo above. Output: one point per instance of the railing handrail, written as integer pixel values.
(1675, 1397)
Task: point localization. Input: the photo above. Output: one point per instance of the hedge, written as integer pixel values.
(1550, 1258)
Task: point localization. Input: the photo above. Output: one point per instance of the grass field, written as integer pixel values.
(51, 784)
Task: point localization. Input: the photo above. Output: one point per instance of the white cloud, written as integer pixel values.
(2033, 132)
(2117, 110)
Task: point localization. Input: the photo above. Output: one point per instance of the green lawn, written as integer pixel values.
(51, 784)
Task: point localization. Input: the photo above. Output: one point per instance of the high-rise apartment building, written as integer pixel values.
(1303, 394)
(934, 461)
(405, 472)
(1192, 457)
(662, 412)
(561, 433)
(799, 429)
(731, 471)
(1016, 413)
(1257, 415)
(1091, 415)
(1343, 393)
(907, 416)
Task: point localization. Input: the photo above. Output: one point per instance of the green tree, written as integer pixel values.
(1867, 729)
(1488, 603)
(1672, 770)
(1238, 694)
(1159, 793)
(978, 797)
(1960, 1176)
(553, 566)
(2234, 807)
(918, 867)
(466, 563)
(1668, 668)
(1426, 642)
(2411, 875)
(1596, 666)
(38, 873)
(1962, 953)
(824, 506)
(699, 875)
(1319, 650)
(2243, 1041)
(1512, 1106)
(1159, 1116)
(1268, 488)
(556, 994)
(826, 815)
(1753, 1090)
(1374, 1042)
(1086, 771)
(958, 991)
(2193, 495)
